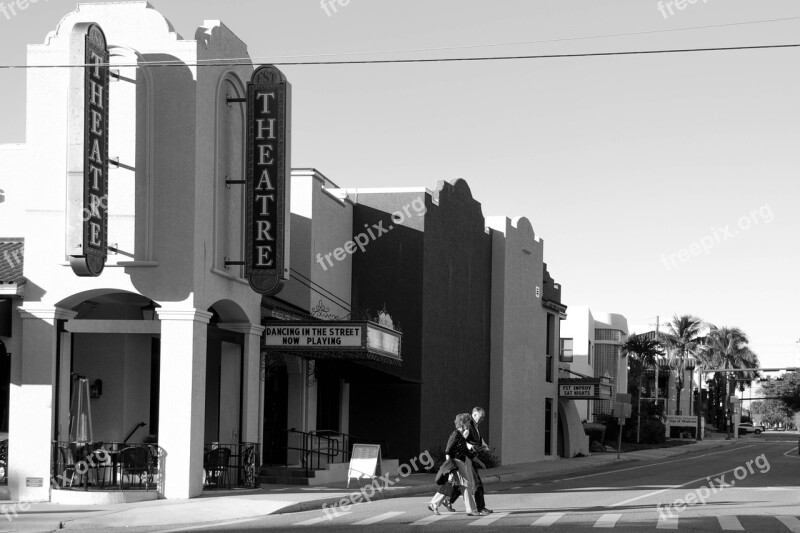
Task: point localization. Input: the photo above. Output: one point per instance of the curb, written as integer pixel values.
(313, 505)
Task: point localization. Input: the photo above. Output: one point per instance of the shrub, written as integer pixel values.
(595, 431)
(489, 458)
(653, 432)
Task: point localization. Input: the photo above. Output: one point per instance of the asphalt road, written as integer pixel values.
(752, 486)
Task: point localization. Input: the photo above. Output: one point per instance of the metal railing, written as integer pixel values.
(347, 442)
(323, 444)
(106, 466)
(231, 465)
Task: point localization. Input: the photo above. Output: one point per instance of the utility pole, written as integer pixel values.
(657, 340)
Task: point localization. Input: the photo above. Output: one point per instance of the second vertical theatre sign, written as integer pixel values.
(268, 180)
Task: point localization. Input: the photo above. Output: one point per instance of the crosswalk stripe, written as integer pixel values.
(666, 522)
(319, 519)
(730, 523)
(548, 520)
(607, 520)
(488, 519)
(791, 522)
(379, 518)
(431, 519)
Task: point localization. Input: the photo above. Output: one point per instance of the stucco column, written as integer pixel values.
(181, 414)
(32, 397)
(252, 386)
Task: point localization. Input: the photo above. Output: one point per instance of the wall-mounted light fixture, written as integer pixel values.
(96, 389)
(149, 311)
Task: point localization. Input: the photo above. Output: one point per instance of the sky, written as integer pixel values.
(661, 184)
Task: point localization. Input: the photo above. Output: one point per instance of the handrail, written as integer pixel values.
(325, 443)
(348, 441)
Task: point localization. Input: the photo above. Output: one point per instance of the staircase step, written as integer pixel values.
(278, 480)
(272, 471)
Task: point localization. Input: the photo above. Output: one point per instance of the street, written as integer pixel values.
(750, 486)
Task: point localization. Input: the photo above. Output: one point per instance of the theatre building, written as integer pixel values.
(135, 315)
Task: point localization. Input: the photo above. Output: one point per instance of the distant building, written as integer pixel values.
(597, 339)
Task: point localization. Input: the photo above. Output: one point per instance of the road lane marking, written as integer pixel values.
(791, 522)
(666, 522)
(656, 464)
(379, 518)
(488, 519)
(431, 519)
(793, 456)
(714, 476)
(319, 519)
(548, 520)
(607, 520)
(730, 523)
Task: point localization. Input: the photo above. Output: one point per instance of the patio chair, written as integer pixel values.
(216, 465)
(65, 471)
(134, 461)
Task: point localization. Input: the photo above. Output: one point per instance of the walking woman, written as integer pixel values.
(460, 467)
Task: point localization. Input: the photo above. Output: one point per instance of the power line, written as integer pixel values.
(540, 41)
(322, 291)
(231, 63)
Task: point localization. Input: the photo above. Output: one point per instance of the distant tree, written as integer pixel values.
(787, 390)
(682, 341)
(728, 348)
(642, 352)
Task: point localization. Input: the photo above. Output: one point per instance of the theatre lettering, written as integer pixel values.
(268, 111)
(88, 152)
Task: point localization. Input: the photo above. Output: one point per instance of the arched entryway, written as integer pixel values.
(230, 453)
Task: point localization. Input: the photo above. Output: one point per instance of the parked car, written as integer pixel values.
(748, 427)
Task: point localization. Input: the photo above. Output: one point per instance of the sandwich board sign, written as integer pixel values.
(365, 462)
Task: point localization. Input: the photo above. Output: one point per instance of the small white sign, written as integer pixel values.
(365, 462)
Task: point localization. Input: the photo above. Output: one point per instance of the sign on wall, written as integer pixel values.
(334, 339)
(87, 157)
(268, 180)
(317, 335)
(584, 389)
(681, 421)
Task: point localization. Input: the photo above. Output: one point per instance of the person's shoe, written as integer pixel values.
(448, 506)
(485, 511)
(475, 513)
(434, 510)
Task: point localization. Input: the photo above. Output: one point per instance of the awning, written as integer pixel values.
(328, 339)
(584, 388)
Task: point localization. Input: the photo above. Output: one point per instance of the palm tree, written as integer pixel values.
(728, 348)
(682, 342)
(642, 352)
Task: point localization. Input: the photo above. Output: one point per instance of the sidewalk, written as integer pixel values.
(226, 506)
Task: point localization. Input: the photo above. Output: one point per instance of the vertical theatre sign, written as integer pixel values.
(268, 179)
(87, 157)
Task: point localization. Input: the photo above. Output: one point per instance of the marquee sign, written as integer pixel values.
(87, 160)
(584, 389)
(268, 180)
(339, 339)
